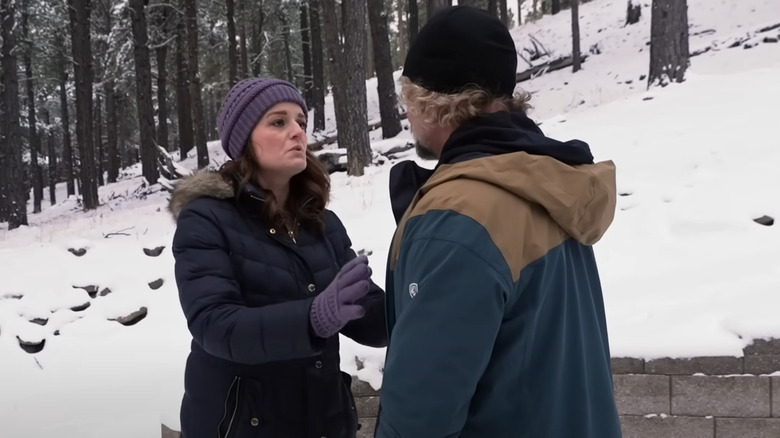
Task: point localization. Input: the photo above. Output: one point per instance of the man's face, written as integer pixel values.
(421, 132)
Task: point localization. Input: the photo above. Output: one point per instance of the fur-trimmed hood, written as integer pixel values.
(205, 183)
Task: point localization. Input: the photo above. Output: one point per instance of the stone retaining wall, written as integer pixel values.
(701, 397)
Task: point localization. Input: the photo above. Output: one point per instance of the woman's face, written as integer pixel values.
(279, 141)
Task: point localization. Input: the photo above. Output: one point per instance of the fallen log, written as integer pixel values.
(557, 64)
(330, 139)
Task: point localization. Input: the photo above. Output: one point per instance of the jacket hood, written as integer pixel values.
(580, 199)
(201, 184)
(509, 151)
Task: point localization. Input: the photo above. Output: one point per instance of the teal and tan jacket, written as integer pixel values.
(495, 309)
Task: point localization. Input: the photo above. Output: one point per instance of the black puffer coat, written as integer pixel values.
(255, 368)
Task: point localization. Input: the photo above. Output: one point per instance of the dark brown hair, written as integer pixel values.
(309, 190)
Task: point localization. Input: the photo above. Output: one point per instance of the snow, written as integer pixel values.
(686, 271)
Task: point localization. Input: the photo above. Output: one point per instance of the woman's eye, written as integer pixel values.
(303, 125)
(278, 123)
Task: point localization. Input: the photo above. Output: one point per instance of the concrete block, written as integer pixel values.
(170, 433)
(367, 406)
(710, 365)
(747, 427)
(367, 426)
(641, 394)
(762, 363)
(775, 382)
(627, 365)
(739, 396)
(361, 388)
(763, 346)
(666, 427)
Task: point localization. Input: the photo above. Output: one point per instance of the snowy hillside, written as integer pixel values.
(686, 269)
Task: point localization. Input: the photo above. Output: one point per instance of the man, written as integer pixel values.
(495, 309)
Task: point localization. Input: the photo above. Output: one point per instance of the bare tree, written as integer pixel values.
(232, 47)
(435, 5)
(81, 45)
(349, 85)
(520, 12)
(492, 7)
(196, 101)
(669, 56)
(383, 64)
(109, 93)
(13, 206)
(52, 156)
(303, 11)
(403, 33)
(32, 124)
(575, 36)
(143, 91)
(317, 66)
(186, 137)
(414, 21)
(67, 147)
(633, 13)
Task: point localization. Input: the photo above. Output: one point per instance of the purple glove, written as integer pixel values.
(332, 309)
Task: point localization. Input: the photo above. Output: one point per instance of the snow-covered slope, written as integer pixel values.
(686, 271)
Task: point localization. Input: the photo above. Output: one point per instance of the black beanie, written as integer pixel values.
(461, 46)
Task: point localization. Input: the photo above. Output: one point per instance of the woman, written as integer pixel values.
(267, 280)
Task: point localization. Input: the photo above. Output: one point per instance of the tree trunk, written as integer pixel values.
(306, 52)
(349, 85)
(52, 157)
(503, 12)
(232, 48)
(12, 186)
(243, 70)
(143, 92)
(575, 36)
(403, 32)
(80, 11)
(369, 53)
(196, 101)
(120, 101)
(257, 42)
(555, 6)
(98, 130)
(520, 12)
(633, 13)
(383, 64)
(32, 124)
(183, 107)
(67, 148)
(283, 19)
(492, 8)
(433, 6)
(112, 151)
(162, 97)
(668, 42)
(317, 66)
(414, 21)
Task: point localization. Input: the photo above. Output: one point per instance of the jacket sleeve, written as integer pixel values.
(217, 317)
(453, 302)
(371, 329)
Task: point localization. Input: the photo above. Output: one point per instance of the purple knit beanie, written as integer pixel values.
(245, 105)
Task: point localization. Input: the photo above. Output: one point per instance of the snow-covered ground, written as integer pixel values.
(686, 271)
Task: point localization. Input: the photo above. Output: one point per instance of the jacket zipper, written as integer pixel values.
(292, 236)
(237, 384)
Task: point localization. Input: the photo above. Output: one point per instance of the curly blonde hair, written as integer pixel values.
(455, 109)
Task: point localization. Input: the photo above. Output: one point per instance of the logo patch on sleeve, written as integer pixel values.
(413, 288)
